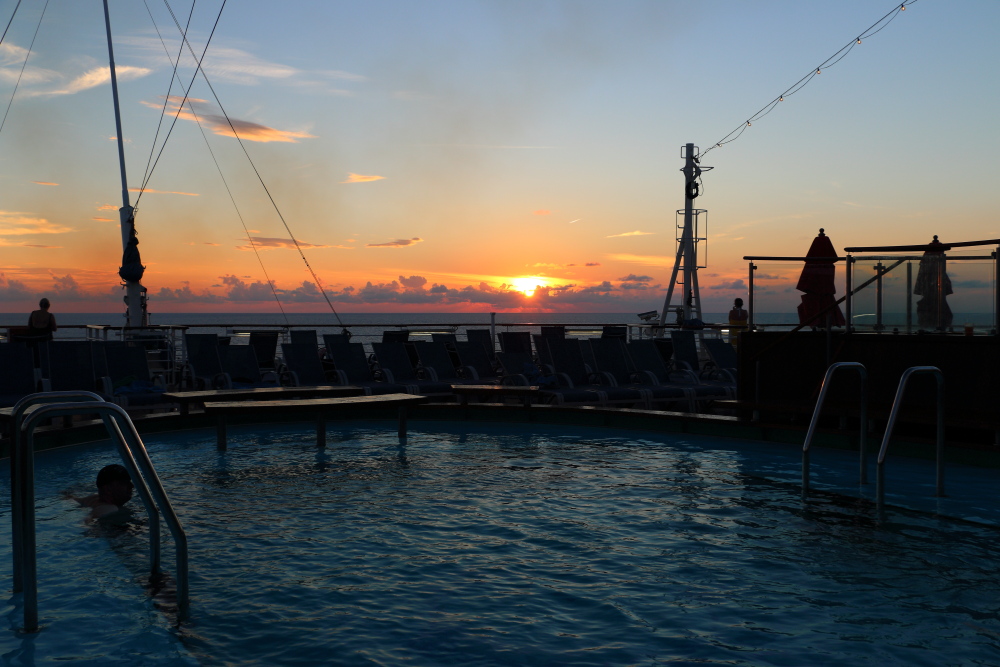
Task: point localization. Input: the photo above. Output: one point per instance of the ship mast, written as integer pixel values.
(693, 230)
(131, 269)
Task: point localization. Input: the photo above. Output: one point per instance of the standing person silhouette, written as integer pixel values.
(738, 318)
(41, 323)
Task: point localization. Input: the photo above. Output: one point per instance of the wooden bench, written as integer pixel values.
(186, 398)
(526, 394)
(319, 408)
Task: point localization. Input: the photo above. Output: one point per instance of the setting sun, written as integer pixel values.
(528, 284)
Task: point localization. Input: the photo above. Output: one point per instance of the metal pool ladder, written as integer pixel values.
(134, 456)
(862, 437)
(880, 479)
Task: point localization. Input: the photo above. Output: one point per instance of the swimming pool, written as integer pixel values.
(505, 545)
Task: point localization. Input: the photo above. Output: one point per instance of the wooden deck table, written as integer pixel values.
(186, 398)
(316, 407)
(526, 394)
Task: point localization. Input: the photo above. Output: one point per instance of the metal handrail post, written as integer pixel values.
(134, 441)
(893, 414)
(17, 415)
(112, 415)
(849, 293)
(750, 304)
(863, 436)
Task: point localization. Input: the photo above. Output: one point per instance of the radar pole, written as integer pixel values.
(691, 233)
(131, 269)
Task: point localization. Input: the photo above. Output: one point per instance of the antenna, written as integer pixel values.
(693, 230)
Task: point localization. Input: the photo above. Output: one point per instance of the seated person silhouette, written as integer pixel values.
(114, 489)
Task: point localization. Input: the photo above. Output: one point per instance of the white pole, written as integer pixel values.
(136, 313)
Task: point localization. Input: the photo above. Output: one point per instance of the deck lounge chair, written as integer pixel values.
(612, 358)
(303, 336)
(723, 356)
(654, 369)
(303, 366)
(19, 377)
(396, 365)
(515, 341)
(400, 336)
(351, 367)
(581, 384)
(131, 382)
(436, 359)
(516, 368)
(204, 362)
(474, 357)
(265, 347)
(481, 337)
(240, 362)
(686, 356)
(71, 365)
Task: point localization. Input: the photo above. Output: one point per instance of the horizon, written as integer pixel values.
(520, 157)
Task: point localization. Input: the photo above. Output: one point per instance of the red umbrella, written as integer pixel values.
(817, 281)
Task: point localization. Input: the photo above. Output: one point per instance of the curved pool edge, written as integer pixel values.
(656, 421)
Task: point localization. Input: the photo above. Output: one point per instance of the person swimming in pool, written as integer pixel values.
(114, 489)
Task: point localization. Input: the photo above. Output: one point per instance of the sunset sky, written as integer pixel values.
(453, 155)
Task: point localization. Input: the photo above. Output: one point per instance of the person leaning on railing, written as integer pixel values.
(738, 318)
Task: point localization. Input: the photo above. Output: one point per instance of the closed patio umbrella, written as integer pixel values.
(933, 285)
(817, 281)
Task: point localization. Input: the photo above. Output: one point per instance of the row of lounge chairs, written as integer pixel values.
(116, 370)
(602, 371)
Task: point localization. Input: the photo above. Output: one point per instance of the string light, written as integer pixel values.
(872, 30)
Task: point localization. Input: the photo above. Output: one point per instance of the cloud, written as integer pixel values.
(36, 245)
(413, 282)
(44, 183)
(151, 191)
(646, 260)
(360, 178)
(13, 223)
(542, 211)
(104, 219)
(220, 125)
(264, 242)
(739, 284)
(592, 264)
(632, 278)
(96, 77)
(398, 243)
(107, 207)
(635, 233)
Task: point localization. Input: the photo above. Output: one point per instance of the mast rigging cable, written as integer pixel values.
(277, 210)
(26, 55)
(871, 31)
(217, 166)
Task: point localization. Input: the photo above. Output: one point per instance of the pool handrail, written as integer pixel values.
(17, 415)
(939, 455)
(863, 435)
(129, 443)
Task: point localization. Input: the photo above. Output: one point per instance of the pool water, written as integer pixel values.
(508, 545)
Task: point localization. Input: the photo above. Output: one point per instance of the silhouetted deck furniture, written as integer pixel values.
(303, 364)
(265, 346)
(240, 363)
(482, 337)
(18, 378)
(351, 367)
(527, 395)
(303, 337)
(515, 341)
(474, 356)
(185, 399)
(205, 362)
(319, 408)
(131, 382)
(395, 363)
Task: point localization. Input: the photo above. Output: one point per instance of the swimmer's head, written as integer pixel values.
(114, 484)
